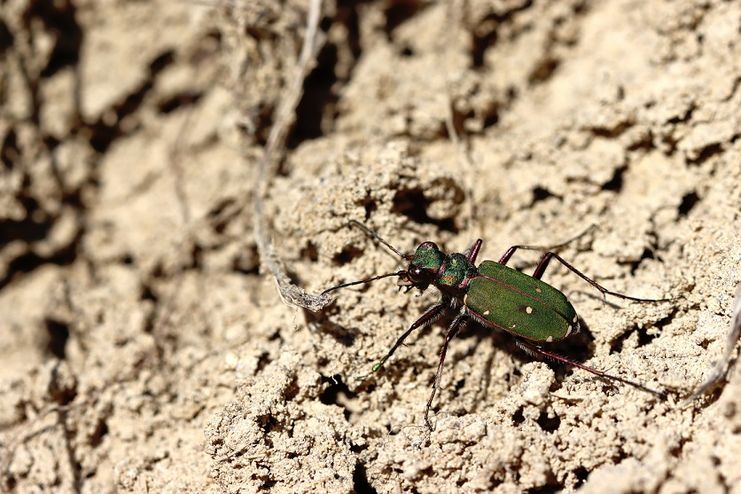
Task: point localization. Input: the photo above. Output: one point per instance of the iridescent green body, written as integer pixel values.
(495, 296)
(506, 299)
(500, 297)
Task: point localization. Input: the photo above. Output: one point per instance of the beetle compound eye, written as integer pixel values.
(419, 276)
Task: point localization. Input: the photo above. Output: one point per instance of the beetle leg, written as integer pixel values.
(425, 319)
(543, 264)
(536, 350)
(503, 260)
(511, 250)
(474, 251)
(455, 326)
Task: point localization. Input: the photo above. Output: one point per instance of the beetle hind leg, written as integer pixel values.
(546, 259)
(537, 351)
(507, 255)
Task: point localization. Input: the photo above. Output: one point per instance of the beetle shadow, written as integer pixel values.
(322, 322)
(579, 347)
(395, 369)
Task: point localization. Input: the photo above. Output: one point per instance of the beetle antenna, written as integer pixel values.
(374, 235)
(360, 282)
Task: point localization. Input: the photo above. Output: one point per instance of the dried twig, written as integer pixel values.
(455, 11)
(284, 117)
(176, 168)
(723, 364)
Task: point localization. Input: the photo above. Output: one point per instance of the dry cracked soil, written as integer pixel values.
(144, 348)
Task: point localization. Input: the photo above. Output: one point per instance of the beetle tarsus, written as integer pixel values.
(376, 367)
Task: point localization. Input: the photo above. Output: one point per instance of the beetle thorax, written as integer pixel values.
(454, 274)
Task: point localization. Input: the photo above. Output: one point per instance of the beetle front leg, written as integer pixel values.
(455, 326)
(425, 319)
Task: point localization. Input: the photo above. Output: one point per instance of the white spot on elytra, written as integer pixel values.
(568, 330)
(539, 290)
(529, 310)
(575, 319)
(549, 339)
(514, 326)
(486, 312)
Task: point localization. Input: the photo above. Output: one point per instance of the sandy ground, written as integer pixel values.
(143, 350)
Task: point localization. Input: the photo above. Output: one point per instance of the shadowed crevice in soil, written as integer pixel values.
(102, 133)
(6, 38)
(689, 201)
(60, 18)
(336, 392)
(413, 204)
(485, 33)
(544, 70)
(551, 488)
(58, 335)
(29, 261)
(581, 474)
(644, 338)
(316, 111)
(541, 193)
(612, 132)
(615, 184)
(647, 253)
(349, 17)
(398, 12)
(28, 229)
(549, 423)
(187, 98)
(361, 485)
(59, 21)
(706, 153)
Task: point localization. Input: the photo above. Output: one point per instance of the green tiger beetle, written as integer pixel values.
(494, 296)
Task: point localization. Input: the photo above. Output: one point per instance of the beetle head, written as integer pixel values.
(424, 266)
